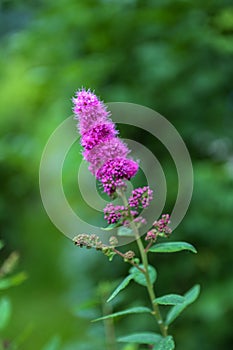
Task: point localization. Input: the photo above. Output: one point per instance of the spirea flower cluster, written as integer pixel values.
(112, 213)
(106, 153)
(118, 214)
(160, 228)
(162, 224)
(141, 196)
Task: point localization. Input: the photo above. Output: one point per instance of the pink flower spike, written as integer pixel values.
(106, 153)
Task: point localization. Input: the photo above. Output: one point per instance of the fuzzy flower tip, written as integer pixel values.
(141, 196)
(106, 153)
(88, 110)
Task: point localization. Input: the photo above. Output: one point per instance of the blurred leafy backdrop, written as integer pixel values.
(174, 56)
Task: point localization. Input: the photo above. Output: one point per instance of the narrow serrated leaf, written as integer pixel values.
(172, 247)
(5, 312)
(13, 280)
(125, 231)
(176, 310)
(141, 338)
(133, 310)
(139, 276)
(121, 286)
(170, 299)
(165, 344)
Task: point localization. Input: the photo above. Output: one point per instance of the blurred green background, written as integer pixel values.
(174, 56)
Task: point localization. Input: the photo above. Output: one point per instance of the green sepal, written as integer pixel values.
(141, 338)
(165, 344)
(172, 247)
(139, 276)
(170, 299)
(176, 310)
(133, 310)
(121, 286)
(111, 255)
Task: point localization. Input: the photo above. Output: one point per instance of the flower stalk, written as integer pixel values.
(150, 289)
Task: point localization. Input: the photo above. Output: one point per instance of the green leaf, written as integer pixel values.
(192, 294)
(12, 281)
(5, 312)
(176, 310)
(139, 276)
(165, 344)
(125, 231)
(110, 227)
(170, 299)
(1, 244)
(133, 310)
(172, 247)
(141, 338)
(121, 286)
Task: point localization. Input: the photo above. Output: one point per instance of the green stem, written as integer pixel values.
(109, 326)
(129, 261)
(150, 289)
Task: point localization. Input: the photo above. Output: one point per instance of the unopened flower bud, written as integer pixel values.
(151, 235)
(129, 255)
(113, 241)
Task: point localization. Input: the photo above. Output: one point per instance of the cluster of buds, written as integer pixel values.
(162, 225)
(141, 197)
(118, 214)
(129, 255)
(123, 215)
(93, 241)
(160, 228)
(88, 241)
